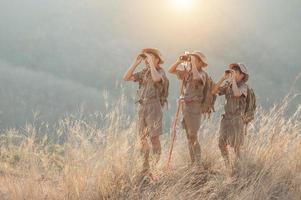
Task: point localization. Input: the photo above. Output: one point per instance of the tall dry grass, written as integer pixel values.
(81, 159)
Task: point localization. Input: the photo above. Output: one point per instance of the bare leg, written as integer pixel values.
(225, 153)
(194, 148)
(145, 153)
(190, 148)
(237, 151)
(156, 148)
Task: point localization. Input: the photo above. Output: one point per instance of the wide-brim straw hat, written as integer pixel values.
(243, 69)
(201, 56)
(154, 51)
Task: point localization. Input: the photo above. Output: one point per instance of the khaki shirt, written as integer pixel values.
(234, 105)
(193, 89)
(148, 89)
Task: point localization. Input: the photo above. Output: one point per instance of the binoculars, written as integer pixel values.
(228, 71)
(143, 56)
(185, 57)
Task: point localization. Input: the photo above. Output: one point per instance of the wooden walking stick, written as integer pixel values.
(175, 121)
(174, 126)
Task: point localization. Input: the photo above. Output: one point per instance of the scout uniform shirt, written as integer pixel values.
(232, 126)
(149, 109)
(193, 96)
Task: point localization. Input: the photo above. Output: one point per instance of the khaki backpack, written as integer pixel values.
(208, 102)
(250, 106)
(163, 90)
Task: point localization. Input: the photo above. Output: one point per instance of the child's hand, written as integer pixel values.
(138, 59)
(150, 57)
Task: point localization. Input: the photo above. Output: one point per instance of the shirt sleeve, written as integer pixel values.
(137, 76)
(203, 76)
(222, 90)
(163, 74)
(244, 89)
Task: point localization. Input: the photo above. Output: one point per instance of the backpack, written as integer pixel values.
(250, 106)
(164, 90)
(208, 102)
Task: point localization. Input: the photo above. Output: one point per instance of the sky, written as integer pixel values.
(77, 49)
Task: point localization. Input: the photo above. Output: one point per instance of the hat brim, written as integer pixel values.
(233, 65)
(155, 52)
(246, 78)
(205, 63)
(236, 64)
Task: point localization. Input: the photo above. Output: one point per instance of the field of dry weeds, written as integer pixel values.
(80, 159)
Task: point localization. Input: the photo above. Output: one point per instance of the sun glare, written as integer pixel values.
(182, 4)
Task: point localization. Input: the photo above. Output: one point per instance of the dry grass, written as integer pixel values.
(82, 160)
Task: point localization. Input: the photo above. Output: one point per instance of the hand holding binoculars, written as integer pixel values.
(228, 71)
(142, 55)
(185, 58)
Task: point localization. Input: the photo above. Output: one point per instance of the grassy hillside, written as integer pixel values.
(82, 159)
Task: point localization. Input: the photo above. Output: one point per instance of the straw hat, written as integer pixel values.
(156, 52)
(201, 56)
(242, 68)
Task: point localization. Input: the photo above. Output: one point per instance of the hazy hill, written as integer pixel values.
(69, 51)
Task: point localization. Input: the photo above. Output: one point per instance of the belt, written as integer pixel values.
(231, 116)
(192, 100)
(148, 101)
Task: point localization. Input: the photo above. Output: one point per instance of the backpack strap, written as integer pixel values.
(161, 87)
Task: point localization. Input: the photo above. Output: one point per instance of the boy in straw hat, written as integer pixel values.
(193, 79)
(151, 84)
(233, 86)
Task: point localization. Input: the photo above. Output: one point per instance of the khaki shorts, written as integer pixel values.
(191, 117)
(232, 131)
(150, 119)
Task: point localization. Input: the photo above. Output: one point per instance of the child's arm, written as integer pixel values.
(129, 75)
